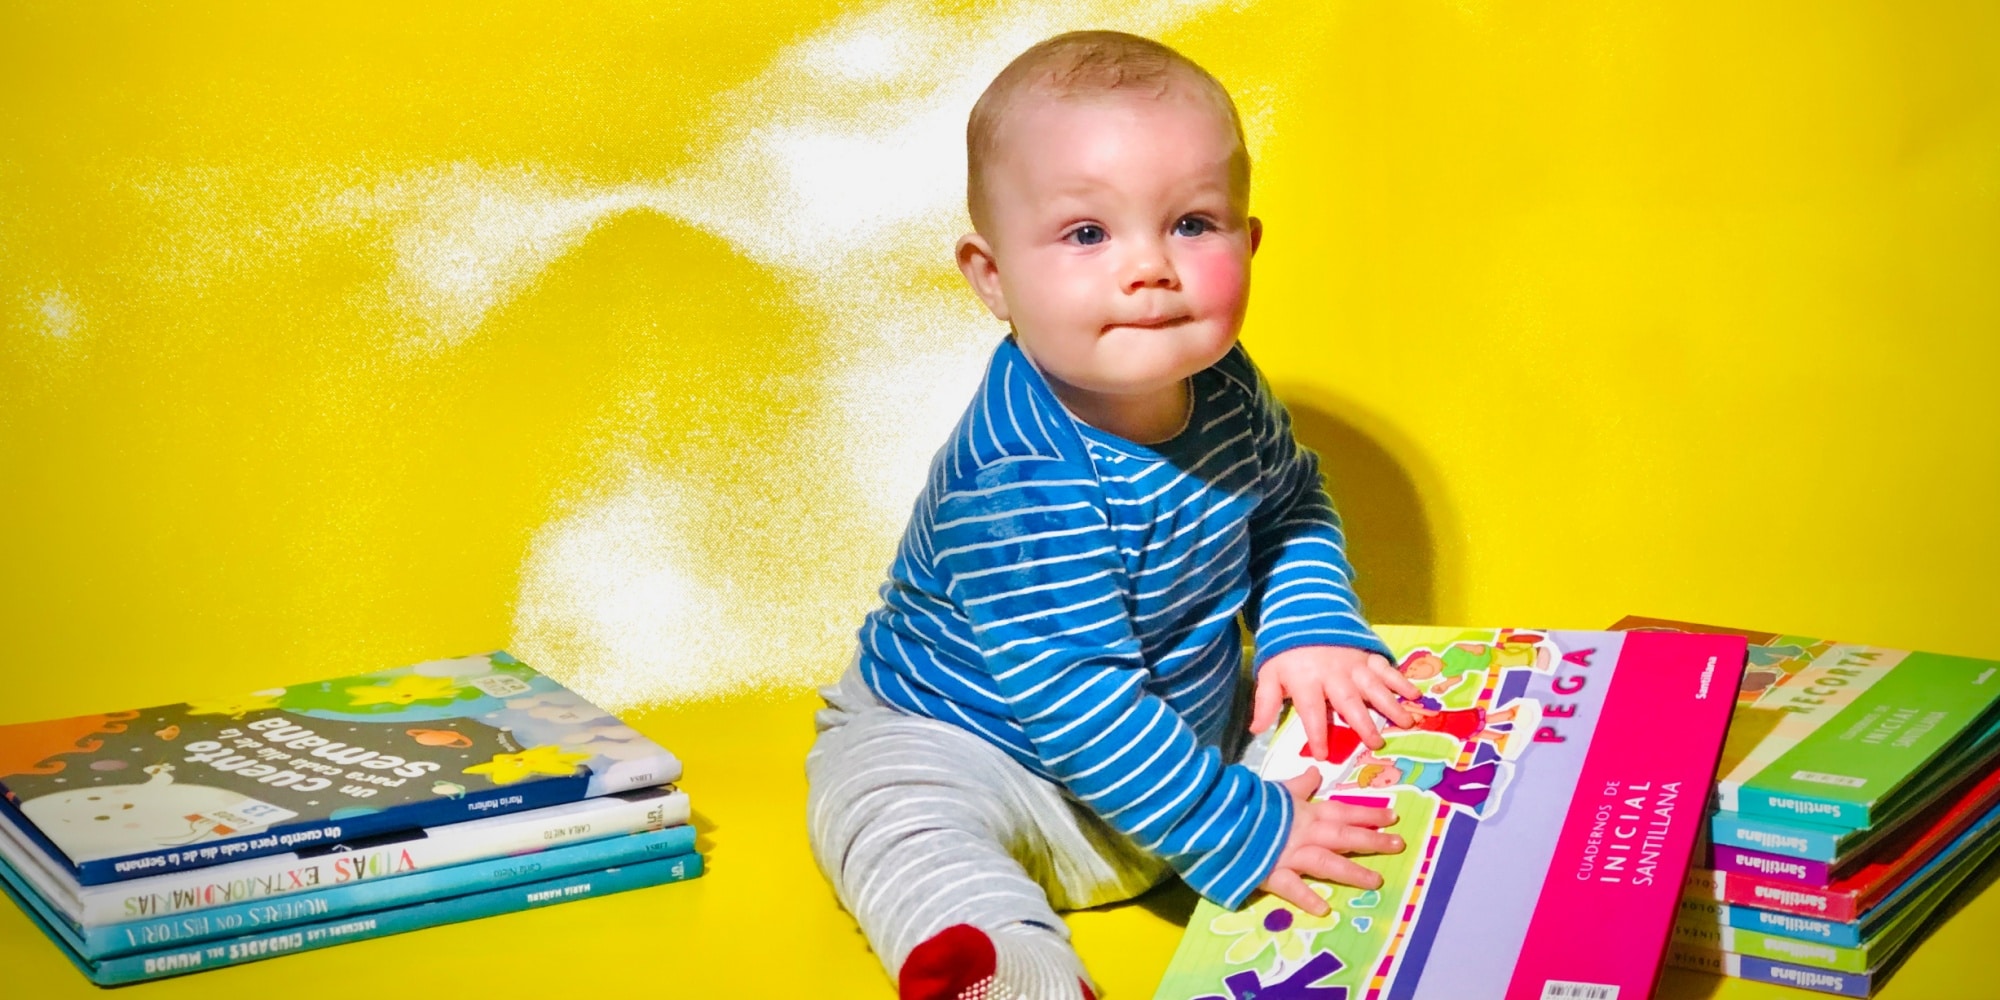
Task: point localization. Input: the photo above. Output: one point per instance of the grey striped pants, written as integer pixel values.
(920, 825)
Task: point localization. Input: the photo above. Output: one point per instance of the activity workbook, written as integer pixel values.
(135, 793)
(1549, 798)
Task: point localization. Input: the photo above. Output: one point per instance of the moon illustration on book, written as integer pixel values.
(106, 820)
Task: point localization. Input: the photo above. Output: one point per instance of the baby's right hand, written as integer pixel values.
(1321, 832)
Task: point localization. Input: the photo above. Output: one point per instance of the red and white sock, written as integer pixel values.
(962, 962)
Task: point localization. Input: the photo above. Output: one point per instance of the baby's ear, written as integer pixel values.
(1256, 234)
(982, 272)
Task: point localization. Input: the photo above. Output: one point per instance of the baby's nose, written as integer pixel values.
(1149, 269)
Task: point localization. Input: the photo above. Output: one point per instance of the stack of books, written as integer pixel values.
(1549, 793)
(167, 840)
(1856, 802)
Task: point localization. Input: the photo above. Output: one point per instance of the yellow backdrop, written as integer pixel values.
(618, 335)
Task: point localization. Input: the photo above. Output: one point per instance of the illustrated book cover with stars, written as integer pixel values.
(138, 793)
(1548, 792)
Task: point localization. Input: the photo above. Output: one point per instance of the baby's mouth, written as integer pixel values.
(1154, 323)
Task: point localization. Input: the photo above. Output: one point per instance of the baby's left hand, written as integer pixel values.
(1348, 680)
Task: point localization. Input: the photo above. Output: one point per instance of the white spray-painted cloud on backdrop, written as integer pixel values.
(842, 166)
(610, 598)
(56, 314)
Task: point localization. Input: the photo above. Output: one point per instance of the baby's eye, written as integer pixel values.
(1191, 226)
(1088, 236)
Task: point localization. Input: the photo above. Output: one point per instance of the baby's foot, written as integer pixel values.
(962, 963)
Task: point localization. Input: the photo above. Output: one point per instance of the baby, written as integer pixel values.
(1038, 715)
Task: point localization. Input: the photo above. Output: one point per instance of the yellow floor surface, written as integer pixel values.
(762, 923)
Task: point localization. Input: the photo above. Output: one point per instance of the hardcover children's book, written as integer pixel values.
(141, 792)
(260, 945)
(1549, 799)
(275, 877)
(1843, 737)
(345, 898)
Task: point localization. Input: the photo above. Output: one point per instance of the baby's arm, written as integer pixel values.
(1313, 646)
(1029, 556)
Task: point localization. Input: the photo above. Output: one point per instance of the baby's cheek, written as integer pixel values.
(1221, 282)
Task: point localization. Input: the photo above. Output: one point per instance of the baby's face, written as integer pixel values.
(1123, 255)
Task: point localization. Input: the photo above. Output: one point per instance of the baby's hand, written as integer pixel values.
(1349, 680)
(1321, 833)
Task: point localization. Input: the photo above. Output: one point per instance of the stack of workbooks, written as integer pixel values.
(1549, 791)
(165, 840)
(1856, 803)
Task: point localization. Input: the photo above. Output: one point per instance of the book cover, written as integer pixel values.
(1548, 821)
(140, 792)
(310, 869)
(1842, 735)
(308, 937)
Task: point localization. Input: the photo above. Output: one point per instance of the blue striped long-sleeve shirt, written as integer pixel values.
(1073, 598)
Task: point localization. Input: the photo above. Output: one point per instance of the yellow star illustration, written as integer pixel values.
(404, 690)
(507, 768)
(233, 707)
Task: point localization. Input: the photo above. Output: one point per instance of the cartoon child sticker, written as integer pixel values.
(1472, 789)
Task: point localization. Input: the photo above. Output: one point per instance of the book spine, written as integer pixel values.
(1776, 867)
(1797, 806)
(1704, 921)
(252, 947)
(291, 836)
(1791, 925)
(1703, 883)
(1707, 958)
(198, 890)
(1722, 963)
(382, 894)
(626, 776)
(1737, 830)
(1774, 948)
(1767, 894)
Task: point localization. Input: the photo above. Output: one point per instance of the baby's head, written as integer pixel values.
(1109, 189)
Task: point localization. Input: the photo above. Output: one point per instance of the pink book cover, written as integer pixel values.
(1550, 797)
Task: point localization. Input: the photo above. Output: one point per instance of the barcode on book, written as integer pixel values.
(1822, 778)
(1557, 989)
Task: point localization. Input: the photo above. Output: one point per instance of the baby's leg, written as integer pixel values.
(922, 826)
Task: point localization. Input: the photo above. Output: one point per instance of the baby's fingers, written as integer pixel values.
(1310, 703)
(1286, 884)
(1392, 677)
(1269, 698)
(1321, 863)
(1344, 839)
(1386, 702)
(1304, 784)
(1352, 815)
(1355, 711)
